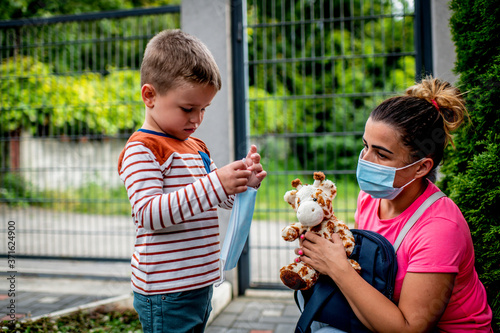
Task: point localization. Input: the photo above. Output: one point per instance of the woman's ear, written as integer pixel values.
(424, 168)
(148, 94)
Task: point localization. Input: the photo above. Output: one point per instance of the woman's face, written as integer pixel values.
(384, 145)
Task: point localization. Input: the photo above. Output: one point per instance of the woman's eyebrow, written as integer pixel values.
(378, 147)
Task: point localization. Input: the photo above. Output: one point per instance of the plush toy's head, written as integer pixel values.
(313, 203)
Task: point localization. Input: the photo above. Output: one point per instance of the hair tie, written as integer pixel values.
(435, 104)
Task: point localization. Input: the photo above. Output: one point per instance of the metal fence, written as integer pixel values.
(58, 158)
(315, 71)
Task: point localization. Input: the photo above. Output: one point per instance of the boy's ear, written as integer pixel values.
(148, 94)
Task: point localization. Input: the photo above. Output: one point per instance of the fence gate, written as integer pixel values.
(59, 186)
(315, 70)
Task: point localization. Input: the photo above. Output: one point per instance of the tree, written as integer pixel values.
(318, 68)
(472, 175)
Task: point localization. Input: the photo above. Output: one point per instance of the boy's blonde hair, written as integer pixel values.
(173, 58)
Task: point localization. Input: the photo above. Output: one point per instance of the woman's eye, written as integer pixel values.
(186, 110)
(381, 155)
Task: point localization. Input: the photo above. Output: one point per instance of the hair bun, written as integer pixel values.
(443, 97)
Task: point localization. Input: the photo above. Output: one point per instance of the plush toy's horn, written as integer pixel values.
(319, 176)
(318, 179)
(296, 183)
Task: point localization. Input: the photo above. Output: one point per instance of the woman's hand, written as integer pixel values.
(327, 257)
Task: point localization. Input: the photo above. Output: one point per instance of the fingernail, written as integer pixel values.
(297, 259)
(302, 236)
(301, 252)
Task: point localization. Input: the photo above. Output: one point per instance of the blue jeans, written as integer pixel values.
(183, 312)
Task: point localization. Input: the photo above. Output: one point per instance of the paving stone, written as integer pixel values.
(237, 330)
(216, 329)
(225, 319)
(236, 306)
(285, 328)
(291, 311)
(254, 325)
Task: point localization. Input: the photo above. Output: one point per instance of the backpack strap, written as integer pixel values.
(323, 292)
(414, 218)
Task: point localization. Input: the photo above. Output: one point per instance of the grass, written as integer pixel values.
(99, 320)
(92, 198)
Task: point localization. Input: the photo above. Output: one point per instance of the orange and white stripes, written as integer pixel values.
(174, 201)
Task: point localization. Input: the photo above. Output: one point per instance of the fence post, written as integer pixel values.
(239, 48)
(423, 39)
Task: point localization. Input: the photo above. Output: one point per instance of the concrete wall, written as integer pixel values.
(210, 21)
(54, 164)
(443, 48)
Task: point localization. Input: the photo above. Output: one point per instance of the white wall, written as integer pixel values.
(210, 21)
(53, 164)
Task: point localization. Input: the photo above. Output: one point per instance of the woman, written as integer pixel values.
(436, 284)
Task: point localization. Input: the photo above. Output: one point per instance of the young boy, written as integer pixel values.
(175, 188)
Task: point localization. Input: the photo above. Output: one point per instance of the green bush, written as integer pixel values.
(14, 189)
(472, 178)
(33, 97)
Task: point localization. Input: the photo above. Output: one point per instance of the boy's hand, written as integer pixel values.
(253, 164)
(234, 177)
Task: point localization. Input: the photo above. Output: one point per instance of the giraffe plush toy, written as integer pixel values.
(313, 204)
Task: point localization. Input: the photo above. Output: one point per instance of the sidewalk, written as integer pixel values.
(54, 288)
(259, 311)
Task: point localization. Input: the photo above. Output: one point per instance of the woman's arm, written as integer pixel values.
(423, 298)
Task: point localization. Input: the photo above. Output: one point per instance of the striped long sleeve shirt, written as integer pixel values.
(174, 192)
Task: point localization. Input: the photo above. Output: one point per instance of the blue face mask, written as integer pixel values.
(378, 180)
(237, 231)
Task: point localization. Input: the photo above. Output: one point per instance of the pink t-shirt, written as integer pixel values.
(439, 242)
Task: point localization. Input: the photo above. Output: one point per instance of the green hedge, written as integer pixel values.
(472, 177)
(89, 103)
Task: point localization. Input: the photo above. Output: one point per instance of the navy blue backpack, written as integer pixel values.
(377, 257)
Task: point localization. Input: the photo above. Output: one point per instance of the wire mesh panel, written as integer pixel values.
(70, 97)
(316, 69)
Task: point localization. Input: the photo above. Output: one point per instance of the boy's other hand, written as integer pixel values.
(234, 177)
(253, 164)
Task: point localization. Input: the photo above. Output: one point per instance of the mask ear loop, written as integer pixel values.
(409, 165)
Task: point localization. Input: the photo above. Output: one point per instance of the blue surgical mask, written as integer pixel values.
(237, 231)
(378, 180)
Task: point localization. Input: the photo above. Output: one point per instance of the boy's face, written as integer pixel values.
(178, 112)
